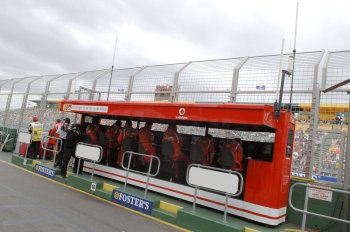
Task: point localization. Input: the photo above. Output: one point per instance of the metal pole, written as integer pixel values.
(44, 153)
(306, 202)
(347, 172)
(110, 79)
(280, 70)
(194, 199)
(148, 173)
(127, 172)
(294, 52)
(25, 155)
(225, 212)
(93, 170)
(77, 174)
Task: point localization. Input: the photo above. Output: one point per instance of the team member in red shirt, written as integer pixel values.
(171, 135)
(236, 149)
(146, 138)
(207, 146)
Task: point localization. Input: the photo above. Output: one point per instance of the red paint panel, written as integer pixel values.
(218, 113)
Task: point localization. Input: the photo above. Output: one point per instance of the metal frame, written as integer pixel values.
(59, 144)
(227, 195)
(148, 173)
(306, 201)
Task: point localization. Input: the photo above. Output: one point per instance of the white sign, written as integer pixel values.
(85, 108)
(320, 194)
(93, 187)
(85, 151)
(24, 137)
(211, 179)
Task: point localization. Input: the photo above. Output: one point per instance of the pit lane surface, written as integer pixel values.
(34, 204)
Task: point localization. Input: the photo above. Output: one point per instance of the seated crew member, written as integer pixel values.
(171, 135)
(146, 138)
(92, 131)
(207, 146)
(112, 145)
(236, 150)
(127, 139)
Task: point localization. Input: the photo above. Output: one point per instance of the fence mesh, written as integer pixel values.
(244, 80)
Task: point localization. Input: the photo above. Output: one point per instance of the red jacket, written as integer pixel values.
(146, 138)
(207, 146)
(237, 152)
(175, 139)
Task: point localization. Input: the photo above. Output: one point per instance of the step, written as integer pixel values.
(164, 215)
(172, 208)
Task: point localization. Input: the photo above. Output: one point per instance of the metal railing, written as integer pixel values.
(56, 149)
(147, 173)
(227, 194)
(306, 202)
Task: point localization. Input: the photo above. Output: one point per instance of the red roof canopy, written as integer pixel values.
(228, 113)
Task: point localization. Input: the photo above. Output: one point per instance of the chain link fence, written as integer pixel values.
(321, 118)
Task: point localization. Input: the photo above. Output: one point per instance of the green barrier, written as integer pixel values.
(10, 145)
(333, 208)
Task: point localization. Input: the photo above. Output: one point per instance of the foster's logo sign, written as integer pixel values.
(132, 202)
(45, 171)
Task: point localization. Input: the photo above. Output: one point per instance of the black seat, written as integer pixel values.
(167, 150)
(196, 153)
(226, 157)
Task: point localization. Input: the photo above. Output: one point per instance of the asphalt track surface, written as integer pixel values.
(34, 204)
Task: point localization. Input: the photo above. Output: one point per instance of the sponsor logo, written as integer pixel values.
(67, 107)
(45, 171)
(182, 112)
(93, 187)
(87, 108)
(315, 177)
(133, 202)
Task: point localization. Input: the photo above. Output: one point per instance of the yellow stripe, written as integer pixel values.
(291, 230)
(247, 229)
(301, 178)
(169, 207)
(36, 162)
(108, 187)
(107, 201)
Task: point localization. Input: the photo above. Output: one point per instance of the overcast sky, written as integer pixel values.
(60, 36)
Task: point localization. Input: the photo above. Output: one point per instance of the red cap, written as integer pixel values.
(35, 118)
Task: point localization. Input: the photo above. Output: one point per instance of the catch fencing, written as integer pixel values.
(321, 118)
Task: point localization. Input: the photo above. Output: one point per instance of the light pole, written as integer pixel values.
(110, 78)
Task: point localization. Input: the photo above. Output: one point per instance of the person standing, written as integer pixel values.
(72, 139)
(35, 129)
(62, 134)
